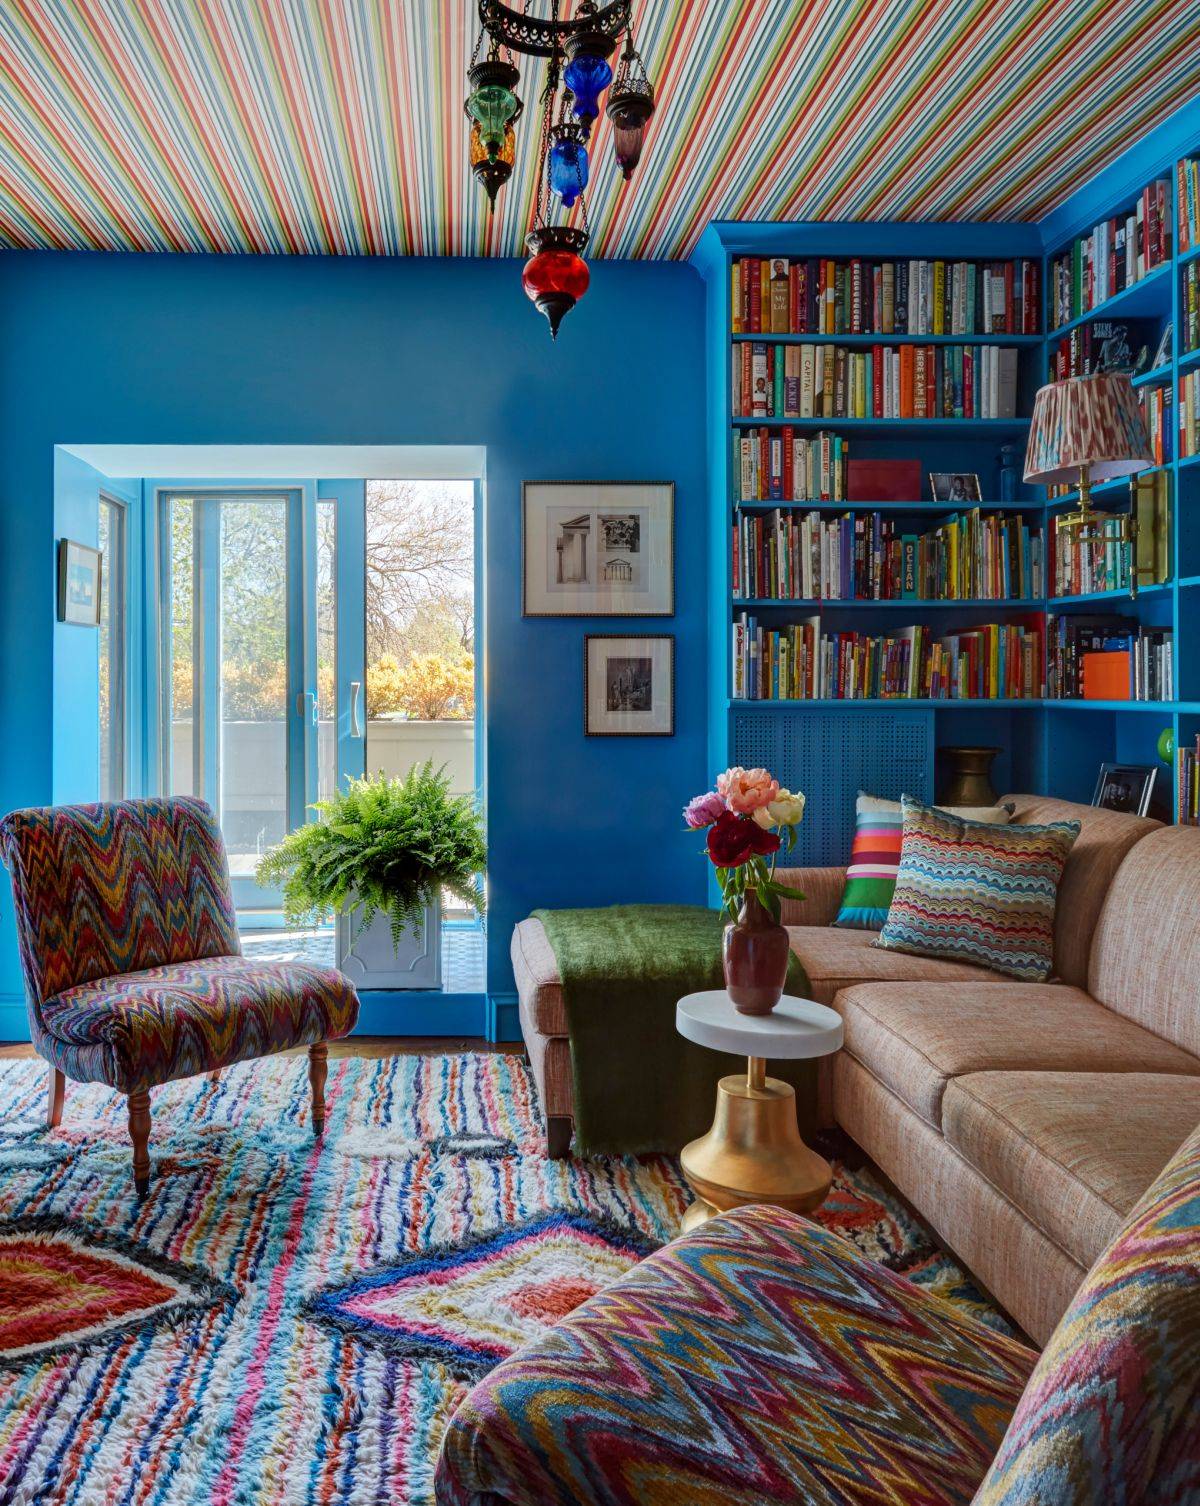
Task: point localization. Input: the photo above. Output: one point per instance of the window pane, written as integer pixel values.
(112, 651)
(326, 648)
(181, 771)
(253, 658)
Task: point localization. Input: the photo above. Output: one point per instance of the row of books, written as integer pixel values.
(1187, 183)
(909, 381)
(1158, 406)
(779, 465)
(800, 662)
(1187, 784)
(1118, 252)
(1189, 414)
(1189, 302)
(1079, 565)
(1108, 657)
(780, 295)
(795, 556)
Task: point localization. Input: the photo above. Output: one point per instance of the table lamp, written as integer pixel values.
(1090, 429)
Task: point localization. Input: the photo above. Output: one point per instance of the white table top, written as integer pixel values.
(795, 1028)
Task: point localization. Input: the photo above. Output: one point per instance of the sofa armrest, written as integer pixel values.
(822, 890)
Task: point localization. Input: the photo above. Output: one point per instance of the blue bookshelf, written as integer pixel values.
(1046, 745)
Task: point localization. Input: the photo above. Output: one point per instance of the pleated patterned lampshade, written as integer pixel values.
(1091, 421)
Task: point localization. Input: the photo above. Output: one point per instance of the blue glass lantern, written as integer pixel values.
(587, 76)
(568, 166)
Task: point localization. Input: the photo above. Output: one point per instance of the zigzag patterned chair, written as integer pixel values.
(134, 973)
(763, 1361)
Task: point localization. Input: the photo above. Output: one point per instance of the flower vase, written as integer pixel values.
(756, 958)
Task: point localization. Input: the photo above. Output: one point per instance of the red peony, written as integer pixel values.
(733, 839)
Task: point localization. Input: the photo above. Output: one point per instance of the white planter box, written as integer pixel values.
(368, 958)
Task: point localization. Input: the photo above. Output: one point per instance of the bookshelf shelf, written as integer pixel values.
(1143, 590)
(913, 604)
(882, 425)
(1148, 296)
(741, 337)
(1189, 359)
(974, 703)
(924, 508)
(1159, 376)
(1103, 489)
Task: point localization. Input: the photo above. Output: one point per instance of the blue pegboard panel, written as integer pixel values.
(831, 755)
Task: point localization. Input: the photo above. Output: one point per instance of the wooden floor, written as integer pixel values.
(371, 1046)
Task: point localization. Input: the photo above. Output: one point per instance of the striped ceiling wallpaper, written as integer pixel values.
(336, 126)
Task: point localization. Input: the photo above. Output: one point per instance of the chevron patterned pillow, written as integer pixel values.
(970, 892)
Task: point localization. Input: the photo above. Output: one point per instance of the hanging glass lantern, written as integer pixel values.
(587, 75)
(630, 105)
(492, 172)
(492, 102)
(556, 277)
(568, 165)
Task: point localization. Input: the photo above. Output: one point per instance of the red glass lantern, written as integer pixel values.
(556, 277)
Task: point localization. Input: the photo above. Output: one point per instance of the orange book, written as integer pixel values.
(907, 369)
(1106, 676)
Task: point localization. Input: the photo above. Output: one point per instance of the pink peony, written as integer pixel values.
(703, 810)
(746, 790)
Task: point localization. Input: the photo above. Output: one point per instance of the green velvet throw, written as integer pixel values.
(639, 1086)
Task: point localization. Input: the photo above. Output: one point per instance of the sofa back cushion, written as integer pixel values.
(105, 889)
(1112, 1409)
(1104, 839)
(1146, 954)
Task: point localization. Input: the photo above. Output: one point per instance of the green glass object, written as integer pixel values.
(1166, 745)
(493, 106)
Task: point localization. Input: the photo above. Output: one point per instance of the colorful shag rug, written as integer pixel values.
(285, 1322)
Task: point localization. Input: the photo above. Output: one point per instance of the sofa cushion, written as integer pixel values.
(539, 986)
(975, 892)
(837, 958)
(1112, 1410)
(1146, 956)
(914, 1037)
(758, 1359)
(1073, 1150)
(1104, 839)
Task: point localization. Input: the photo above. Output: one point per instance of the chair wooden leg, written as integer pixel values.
(318, 1066)
(559, 1128)
(215, 1075)
(58, 1093)
(139, 1133)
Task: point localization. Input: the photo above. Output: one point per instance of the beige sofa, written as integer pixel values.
(1022, 1120)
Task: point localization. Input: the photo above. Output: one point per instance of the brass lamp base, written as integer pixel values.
(753, 1153)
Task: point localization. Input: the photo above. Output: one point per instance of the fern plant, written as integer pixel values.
(387, 845)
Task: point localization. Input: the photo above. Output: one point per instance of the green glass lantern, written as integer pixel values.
(492, 102)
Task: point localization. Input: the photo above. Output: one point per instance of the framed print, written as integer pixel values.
(1125, 787)
(78, 583)
(955, 486)
(599, 549)
(628, 685)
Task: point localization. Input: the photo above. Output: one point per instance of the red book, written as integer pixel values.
(788, 464)
(856, 295)
(931, 410)
(877, 381)
(754, 303)
(794, 271)
(1009, 316)
(744, 403)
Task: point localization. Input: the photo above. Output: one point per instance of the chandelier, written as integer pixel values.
(578, 72)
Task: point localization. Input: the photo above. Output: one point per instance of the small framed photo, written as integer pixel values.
(78, 583)
(1126, 787)
(599, 549)
(1162, 355)
(628, 685)
(955, 486)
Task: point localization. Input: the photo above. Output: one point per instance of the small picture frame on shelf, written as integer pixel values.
(79, 567)
(1125, 787)
(628, 685)
(957, 487)
(598, 549)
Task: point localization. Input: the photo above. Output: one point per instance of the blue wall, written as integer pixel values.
(278, 350)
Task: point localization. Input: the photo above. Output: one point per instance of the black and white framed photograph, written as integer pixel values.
(628, 685)
(955, 486)
(1126, 787)
(78, 583)
(599, 549)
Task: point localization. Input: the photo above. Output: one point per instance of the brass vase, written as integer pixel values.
(755, 953)
(967, 776)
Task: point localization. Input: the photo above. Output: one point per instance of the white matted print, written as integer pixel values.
(628, 685)
(599, 548)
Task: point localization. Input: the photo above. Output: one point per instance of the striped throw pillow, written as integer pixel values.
(970, 892)
(875, 857)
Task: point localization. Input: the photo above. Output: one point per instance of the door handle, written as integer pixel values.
(355, 693)
(306, 705)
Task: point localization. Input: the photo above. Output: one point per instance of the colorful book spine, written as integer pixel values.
(1117, 252)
